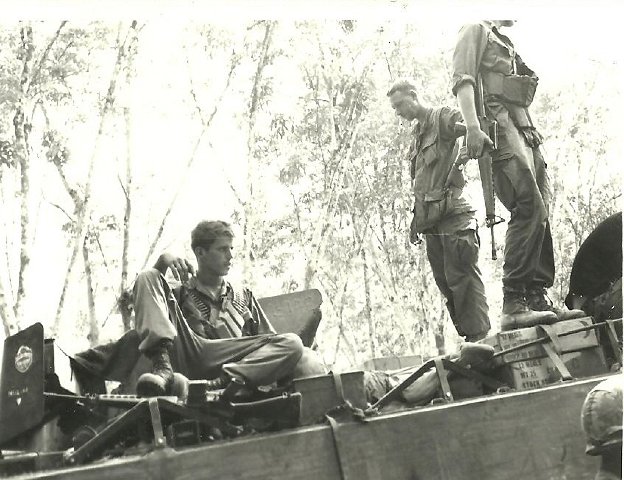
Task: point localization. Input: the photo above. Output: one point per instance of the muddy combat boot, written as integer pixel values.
(158, 381)
(538, 301)
(517, 314)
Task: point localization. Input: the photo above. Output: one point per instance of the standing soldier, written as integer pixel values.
(486, 63)
(441, 213)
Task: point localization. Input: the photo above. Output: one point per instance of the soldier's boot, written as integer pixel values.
(517, 314)
(538, 300)
(158, 381)
(179, 387)
(474, 355)
(232, 388)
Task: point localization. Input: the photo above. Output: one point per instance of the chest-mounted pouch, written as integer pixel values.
(515, 89)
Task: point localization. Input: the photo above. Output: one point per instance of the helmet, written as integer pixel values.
(601, 416)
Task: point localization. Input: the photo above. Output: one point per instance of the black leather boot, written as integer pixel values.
(517, 314)
(158, 381)
(538, 300)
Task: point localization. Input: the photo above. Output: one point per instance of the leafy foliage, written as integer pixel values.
(291, 119)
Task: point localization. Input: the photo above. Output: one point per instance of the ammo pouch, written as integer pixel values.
(429, 210)
(515, 89)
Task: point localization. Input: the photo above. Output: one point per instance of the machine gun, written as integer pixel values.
(485, 162)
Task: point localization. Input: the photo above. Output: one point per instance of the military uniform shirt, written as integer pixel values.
(431, 158)
(234, 312)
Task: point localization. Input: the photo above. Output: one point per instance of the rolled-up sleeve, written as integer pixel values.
(471, 43)
(449, 117)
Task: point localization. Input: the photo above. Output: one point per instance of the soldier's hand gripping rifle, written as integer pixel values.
(485, 161)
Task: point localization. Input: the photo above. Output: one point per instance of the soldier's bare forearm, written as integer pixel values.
(164, 262)
(466, 101)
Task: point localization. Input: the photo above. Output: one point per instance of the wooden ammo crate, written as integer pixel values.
(319, 394)
(531, 367)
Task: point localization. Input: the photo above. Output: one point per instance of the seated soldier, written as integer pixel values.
(210, 328)
(421, 391)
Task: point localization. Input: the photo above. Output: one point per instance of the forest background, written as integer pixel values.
(116, 138)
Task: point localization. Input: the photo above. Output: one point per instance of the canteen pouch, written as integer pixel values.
(429, 210)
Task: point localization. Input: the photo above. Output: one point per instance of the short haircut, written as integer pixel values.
(207, 231)
(402, 86)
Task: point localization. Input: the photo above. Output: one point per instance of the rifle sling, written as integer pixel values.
(339, 387)
(443, 378)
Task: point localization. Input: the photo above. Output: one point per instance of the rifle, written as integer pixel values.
(485, 162)
(104, 400)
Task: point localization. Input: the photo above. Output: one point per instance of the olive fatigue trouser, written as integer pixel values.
(258, 360)
(522, 185)
(453, 260)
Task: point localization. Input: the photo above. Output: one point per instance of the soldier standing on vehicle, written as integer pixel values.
(441, 213)
(485, 61)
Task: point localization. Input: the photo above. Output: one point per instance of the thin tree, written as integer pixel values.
(84, 211)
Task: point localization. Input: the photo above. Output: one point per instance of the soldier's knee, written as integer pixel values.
(532, 208)
(309, 365)
(292, 342)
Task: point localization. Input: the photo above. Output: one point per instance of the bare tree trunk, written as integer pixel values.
(22, 125)
(372, 335)
(6, 313)
(22, 130)
(206, 124)
(94, 328)
(249, 225)
(127, 188)
(350, 347)
(84, 212)
(319, 235)
(340, 146)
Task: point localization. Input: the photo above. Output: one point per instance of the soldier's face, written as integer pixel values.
(217, 258)
(403, 105)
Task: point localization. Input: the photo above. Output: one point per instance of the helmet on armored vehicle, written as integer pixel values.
(601, 416)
